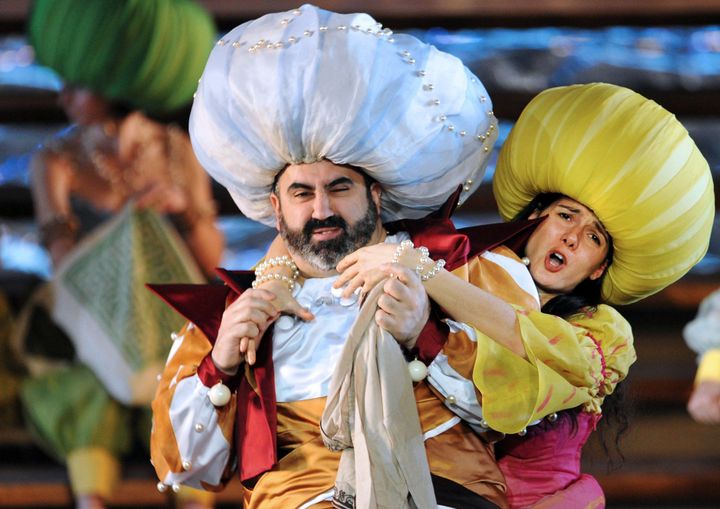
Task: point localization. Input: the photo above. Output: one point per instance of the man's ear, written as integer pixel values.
(599, 271)
(275, 202)
(376, 193)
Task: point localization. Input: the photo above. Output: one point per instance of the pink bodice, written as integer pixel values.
(542, 468)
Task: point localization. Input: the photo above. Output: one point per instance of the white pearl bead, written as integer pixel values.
(552, 417)
(176, 487)
(525, 260)
(522, 432)
(162, 487)
(285, 323)
(219, 394)
(418, 370)
(199, 428)
(186, 464)
(348, 301)
(451, 399)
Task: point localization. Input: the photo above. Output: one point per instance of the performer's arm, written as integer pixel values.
(191, 440)
(52, 180)
(465, 301)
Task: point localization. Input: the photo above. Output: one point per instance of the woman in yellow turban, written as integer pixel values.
(622, 204)
(125, 64)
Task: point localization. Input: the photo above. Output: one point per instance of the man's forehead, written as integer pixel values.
(318, 174)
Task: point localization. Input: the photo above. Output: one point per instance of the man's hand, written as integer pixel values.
(704, 404)
(404, 308)
(242, 326)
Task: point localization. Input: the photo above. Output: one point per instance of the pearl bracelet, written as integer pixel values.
(280, 261)
(278, 277)
(433, 271)
(422, 263)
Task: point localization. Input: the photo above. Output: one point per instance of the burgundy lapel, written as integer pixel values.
(256, 425)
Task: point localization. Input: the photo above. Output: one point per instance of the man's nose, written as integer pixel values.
(321, 206)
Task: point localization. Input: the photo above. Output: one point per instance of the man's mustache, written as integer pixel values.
(329, 222)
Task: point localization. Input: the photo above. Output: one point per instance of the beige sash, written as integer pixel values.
(370, 415)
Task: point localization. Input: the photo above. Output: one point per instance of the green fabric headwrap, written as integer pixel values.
(148, 54)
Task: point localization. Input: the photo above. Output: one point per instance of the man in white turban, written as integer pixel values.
(325, 126)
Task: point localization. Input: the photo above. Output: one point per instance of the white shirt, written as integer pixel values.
(305, 353)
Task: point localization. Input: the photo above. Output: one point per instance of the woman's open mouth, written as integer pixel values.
(554, 261)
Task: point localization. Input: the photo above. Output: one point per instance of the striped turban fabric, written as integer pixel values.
(631, 162)
(148, 54)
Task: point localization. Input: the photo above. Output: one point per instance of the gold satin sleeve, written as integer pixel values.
(164, 452)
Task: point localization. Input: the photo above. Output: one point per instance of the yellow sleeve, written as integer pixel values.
(709, 368)
(570, 363)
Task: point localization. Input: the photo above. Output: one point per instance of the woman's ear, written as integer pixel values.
(599, 271)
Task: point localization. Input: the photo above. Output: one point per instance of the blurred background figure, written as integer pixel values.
(703, 336)
(111, 194)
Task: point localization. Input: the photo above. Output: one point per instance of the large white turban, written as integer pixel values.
(309, 84)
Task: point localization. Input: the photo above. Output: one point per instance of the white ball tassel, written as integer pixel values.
(418, 370)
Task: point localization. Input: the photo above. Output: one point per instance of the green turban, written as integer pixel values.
(146, 53)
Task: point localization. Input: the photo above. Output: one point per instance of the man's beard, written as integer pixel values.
(326, 254)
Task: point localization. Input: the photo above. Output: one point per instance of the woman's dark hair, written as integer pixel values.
(588, 292)
(585, 295)
(611, 429)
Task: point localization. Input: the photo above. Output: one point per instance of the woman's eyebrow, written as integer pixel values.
(602, 230)
(598, 225)
(569, 208)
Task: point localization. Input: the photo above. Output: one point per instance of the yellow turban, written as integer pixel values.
(631, 162)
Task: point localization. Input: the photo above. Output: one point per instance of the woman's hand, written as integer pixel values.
(404, 308)
(361, 269)
(284, 301)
